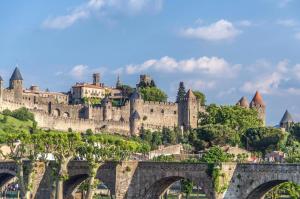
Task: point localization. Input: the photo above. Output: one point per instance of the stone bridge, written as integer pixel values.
(149, 180)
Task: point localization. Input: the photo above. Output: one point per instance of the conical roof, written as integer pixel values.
(287, 118)
(257, 99)
(135, 95)
(16, 75)
(1, 79)
(243, 102)
(190, 94)
(135, 115)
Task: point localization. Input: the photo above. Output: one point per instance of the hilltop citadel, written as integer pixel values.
(62, 111)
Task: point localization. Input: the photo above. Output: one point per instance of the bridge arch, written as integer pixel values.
(79, 172)
(6, 175)
(262, 189)
(158, 188)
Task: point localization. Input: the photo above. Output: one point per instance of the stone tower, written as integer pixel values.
(135, 107)
(188, 111)
(96, 79)
(258, 104)
(287, 121)
(16, 85)
(243, 102)
(107, 109)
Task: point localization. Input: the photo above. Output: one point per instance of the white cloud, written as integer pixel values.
(287, 22)
(79, 71)
(220, 30)
(269, 83)
(103, 6)
(200, 85)
(206, 65)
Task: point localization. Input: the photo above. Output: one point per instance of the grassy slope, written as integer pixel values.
(13, 124)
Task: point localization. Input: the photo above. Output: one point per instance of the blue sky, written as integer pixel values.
(226, 49)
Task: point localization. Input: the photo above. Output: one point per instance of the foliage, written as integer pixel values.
(156, 138)
(21, 114)
(91, 100)
(295, 131)
(263, 139)
(153, 94)
(216, 155)
(187, 187)
(200, 97)
(235, 117)
(216, 134)
(181, 92)
(287, 189)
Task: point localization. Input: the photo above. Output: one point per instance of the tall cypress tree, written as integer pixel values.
(181, 92)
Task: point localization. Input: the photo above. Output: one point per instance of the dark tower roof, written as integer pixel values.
(190, 95)
(136, 116)
(1, 79)
(16, 75)
(135, 95)
(243, 102)
(257, 99)
(287, 118)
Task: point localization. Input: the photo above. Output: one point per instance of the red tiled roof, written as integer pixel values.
(257, 99)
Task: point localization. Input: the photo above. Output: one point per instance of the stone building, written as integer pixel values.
(92, 90)
(53, 110)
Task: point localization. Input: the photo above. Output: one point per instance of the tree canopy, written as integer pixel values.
(235, 117)
(200, 97)
(153, 94)
(263, 139)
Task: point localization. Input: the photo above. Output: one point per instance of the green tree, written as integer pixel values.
(98, 148)
(24, 149)
(263, 139)
(200, 97)
(216, 134)
(22, 114)
(169, 136)
(187, 187)
(295, 131)
(235, 117)
(153, 94)
(181, 92)
(216, 155)
(63, 146)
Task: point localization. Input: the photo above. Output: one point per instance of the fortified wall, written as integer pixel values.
(52, 110)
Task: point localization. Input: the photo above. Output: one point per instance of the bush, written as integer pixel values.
(21, 114)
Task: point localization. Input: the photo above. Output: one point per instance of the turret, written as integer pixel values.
(16, 84)
(188, 111)
(287, 121)
(107, 109)
(96, 79)
(135, 125)
(135, 107)
(118, 83)
(243, 102)
(258, 104)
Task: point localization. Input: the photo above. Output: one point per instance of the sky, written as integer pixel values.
(225, 49)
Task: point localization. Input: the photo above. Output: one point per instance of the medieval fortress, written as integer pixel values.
(62, 111)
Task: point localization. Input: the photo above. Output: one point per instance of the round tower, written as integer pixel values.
(16, 84)
(243, 102)
(258, 104)
(107, 109)
(135, 107)
(287, 121)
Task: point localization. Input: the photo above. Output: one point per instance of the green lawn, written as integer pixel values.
(13, 124)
